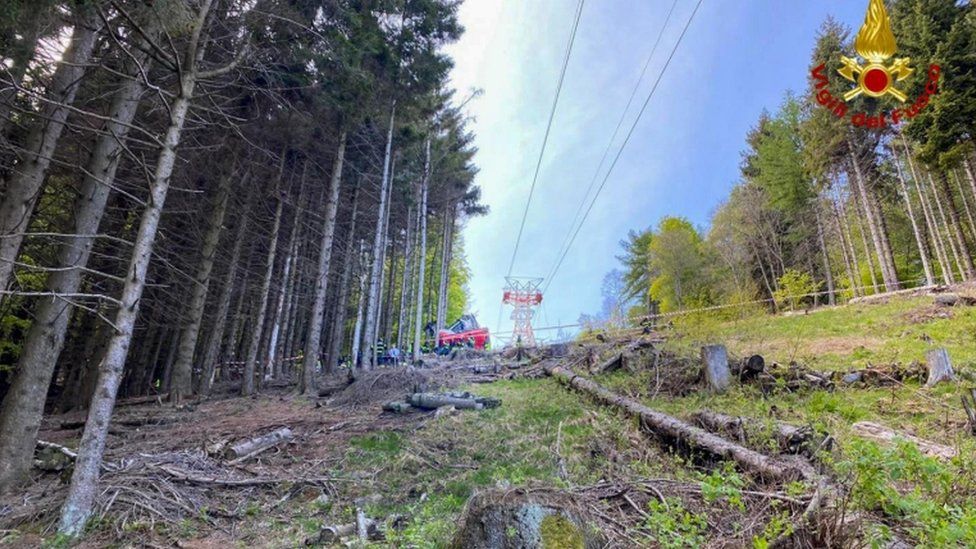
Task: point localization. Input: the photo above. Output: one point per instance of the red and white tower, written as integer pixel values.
(524, 296)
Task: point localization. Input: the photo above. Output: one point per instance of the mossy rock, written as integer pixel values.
(517, 519)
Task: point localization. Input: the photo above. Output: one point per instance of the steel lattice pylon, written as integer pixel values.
(523, 295)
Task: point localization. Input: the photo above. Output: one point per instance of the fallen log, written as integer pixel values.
(334, 533)
(430, 401)
(397, 407)
(880, 433)
(676, 429)
(251, 447)
(132, 401)
(184, 476)
(791, 439)
(881, 376)
(613, 364)
(487, 402)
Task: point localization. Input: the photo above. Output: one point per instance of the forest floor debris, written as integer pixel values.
(410, 475)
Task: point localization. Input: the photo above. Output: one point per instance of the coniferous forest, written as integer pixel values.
(205, 190)
(825, 210)
(236, 305)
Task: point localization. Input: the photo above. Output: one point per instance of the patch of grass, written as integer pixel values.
(936, 501)
(839, 338)
(437, 468)
(384, 444)
(673, 526)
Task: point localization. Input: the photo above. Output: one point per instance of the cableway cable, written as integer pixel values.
(623, 145)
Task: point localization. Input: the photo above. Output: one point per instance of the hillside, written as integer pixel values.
(168, 482)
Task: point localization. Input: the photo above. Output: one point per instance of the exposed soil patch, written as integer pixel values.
(927, 314)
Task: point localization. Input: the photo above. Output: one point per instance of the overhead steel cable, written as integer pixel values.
(545, 141)
(623, 145)
(616, 130)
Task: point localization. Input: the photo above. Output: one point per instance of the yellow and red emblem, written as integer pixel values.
(875, 43)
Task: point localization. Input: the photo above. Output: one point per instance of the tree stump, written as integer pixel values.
(715, 361)
(940, 368)
(503, 519)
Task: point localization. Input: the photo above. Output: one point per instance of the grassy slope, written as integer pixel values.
(929, 502)
(837, 338)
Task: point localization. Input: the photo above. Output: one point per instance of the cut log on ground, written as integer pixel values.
(881, 376)
(715, 361)
(880, 433)
(248, 448)
(678, 430)
(951, 300)
(750, 368)
(487, 402)
(940, 368)
(792, 439)
(184, 476)
(430, 401)
(613, 364)
(397, 407)
(132, 401)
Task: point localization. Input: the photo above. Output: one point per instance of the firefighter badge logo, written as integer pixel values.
(875, 43)
(877, 75)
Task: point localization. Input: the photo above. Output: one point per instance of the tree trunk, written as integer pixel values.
(446, 249)
(422, 254)
(313, 338)
(939, 367)
(378, 321)
(956, 228)
(888, 276)
(276, 352)
(274, 357)
(234, 335)
(339, 325)
(23, 188)
(357, 331)
(22, 407)
(250, 363)
(182, 381)
(376, 269)
(864, 243)
(953, 244)
(77, 507)
(298, 313)
(826, 257)
(223, 308)
(406, 279)
(930, 221)
(844, 226)
(715, 365)
(848, 266)
(919, 239)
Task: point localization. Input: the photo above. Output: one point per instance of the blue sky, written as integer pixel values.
(739, 57)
